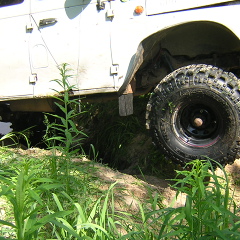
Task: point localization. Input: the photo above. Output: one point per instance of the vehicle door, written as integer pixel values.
(14, 61)
(72, 32)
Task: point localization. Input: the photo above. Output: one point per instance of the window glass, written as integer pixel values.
(4, 3)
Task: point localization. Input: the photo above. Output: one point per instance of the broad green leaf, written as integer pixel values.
(7, 190)
(20, 191)
(7, 223)
(58, 82)
(70, 114)
(54, 115)
(50, 186)
(61, 107)
(68, 136)
(60, 139)
(73, 233)
(33, 194)
(93, 211)
(59, 205)
(81, 214)
(95, 226)
(44, 180)
(2, 238)
(47, 219)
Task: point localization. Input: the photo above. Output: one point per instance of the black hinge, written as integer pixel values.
(100, 5)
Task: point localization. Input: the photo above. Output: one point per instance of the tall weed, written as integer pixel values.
(23, 187)
(209, 211)
(94, 220)
(62, 134)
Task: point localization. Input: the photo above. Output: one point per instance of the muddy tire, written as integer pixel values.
(194, 113)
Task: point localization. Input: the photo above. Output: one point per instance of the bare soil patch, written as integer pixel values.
(137, 186)
(133, 188)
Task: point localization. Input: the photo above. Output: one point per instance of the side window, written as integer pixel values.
(4, 3)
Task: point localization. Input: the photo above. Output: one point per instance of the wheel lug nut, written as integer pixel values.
(198, 122)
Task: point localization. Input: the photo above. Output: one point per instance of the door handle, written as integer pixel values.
(47, 21)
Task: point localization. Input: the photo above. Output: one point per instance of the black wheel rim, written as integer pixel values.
(197, 124)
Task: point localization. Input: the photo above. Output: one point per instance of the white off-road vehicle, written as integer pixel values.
(185, 52)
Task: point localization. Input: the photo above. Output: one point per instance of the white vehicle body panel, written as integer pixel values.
(137, 28)
(83, 45)
(91, 41)
(14, 60)
(163, 6)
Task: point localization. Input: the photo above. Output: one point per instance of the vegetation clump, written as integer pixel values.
(39, 206)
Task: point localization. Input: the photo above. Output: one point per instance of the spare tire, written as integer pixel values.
(194, 113)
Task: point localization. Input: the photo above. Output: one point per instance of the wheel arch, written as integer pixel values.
(198, 37)
(189, 39)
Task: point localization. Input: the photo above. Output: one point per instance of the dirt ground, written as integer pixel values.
(137, 186)
(133, 188)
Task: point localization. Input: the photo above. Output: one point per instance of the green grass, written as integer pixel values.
(209, 211)
(40, 208)
(23, 186)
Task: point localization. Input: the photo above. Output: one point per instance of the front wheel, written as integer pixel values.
(194, 113)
